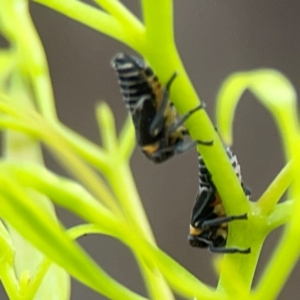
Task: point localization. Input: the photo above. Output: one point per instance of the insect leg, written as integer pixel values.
(181, 147)
(247, 190)
(184, 131)
(221, 220)
(158, 122)
(228, 250)
(214, 249)
(194, 239)
(202, 199)
(175, 126)
(177, 148)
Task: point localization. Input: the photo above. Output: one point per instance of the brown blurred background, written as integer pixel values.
(215, 38)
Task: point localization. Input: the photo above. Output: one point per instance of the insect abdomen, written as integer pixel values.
(134, 79)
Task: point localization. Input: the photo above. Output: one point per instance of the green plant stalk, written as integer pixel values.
(65, 192)
(85, 229)
(38, 127)
(287, 252)
(152, 12)
(129, 199)
(239, 291)
(17, 208)
(244, 264)
(261, 225)
(87, 150)
(8, 62)
(34, 176)
(66, 156)
(106, 125)
(19, 147)
(123, 15)
(48, 133)
(278, 96)
(10, 282)
(161, 52)
(32, 59)
(283, 259)
(122, 183)
(82, 204)
(7, 272)
(79, 169)
(137, 218)
(155, 58)
(80, 230)
(127, 140)
(95, 19)
(57, 144)
(37, 278)
(155, 282)
(119, 175)
(165, 61)
(276, 189)
(172, 271)
(32, 62)
(280, 215)
(159, 49)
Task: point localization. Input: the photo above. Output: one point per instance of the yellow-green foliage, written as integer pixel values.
(113, 207)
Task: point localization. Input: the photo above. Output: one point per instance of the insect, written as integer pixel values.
(159, 131)
(209, 222)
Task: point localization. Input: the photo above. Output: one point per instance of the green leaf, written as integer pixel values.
(8, 61)
(270, 87)
(44, 232)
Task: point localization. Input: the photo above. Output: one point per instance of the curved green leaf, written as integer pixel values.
(270, 87)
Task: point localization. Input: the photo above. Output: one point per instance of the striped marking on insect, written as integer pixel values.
(209, 222)
(159, 131)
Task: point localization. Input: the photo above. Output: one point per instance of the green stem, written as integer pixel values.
(280, 215)
(21, 147)
(8, 62)
(155, 282)
(120, 176)
(79, 169)
(32, 57)
(61, 149)
(10, 282)
(158, 19)
(17, 207)
(87, 150)
(84, 205)
(283, 259)
(287, 252)
(275, 190)
(123, 15)
(173, 272)
(127, 140)
(37, 279)
(95, 19)
(106, 125)
(244, 264)
(165, 60)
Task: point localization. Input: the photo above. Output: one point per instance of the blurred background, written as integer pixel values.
(215, 38)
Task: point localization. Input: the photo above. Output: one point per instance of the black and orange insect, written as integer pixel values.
(159, 131)
(209, 222)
